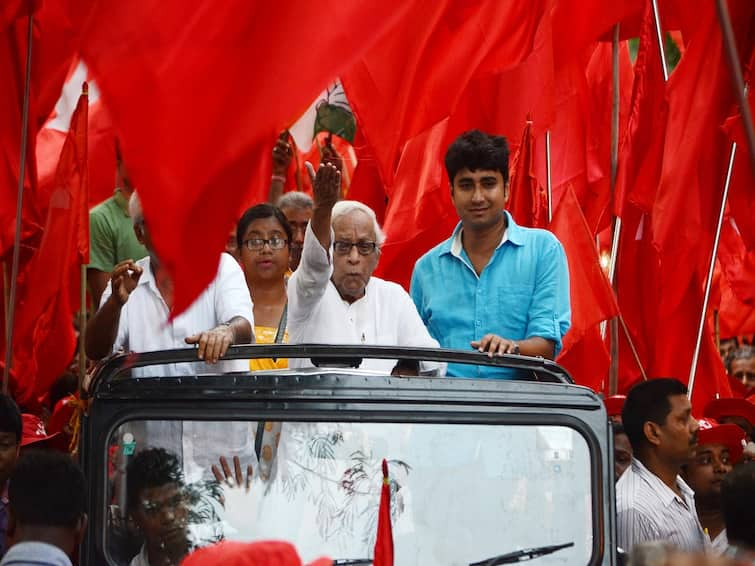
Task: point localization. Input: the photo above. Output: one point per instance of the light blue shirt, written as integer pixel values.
(523, 292)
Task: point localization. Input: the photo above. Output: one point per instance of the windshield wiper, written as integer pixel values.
(522, 555)
(352, 561)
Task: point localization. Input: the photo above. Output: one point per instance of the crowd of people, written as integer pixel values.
(300, 269)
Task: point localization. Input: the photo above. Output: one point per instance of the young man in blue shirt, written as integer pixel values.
(493, 285)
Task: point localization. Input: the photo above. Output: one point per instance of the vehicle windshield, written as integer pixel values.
(460, 493)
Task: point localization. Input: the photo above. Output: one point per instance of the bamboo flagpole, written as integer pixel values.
(10, 313)
(613, 371)
(711, 268)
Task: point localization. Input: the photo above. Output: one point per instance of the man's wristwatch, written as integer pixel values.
(516, 349)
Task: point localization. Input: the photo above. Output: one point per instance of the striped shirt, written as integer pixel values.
(647, 510)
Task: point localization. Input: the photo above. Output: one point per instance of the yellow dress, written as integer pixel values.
(266, 335)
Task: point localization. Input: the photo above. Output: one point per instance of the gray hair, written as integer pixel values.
(744, 352)
(295, 199)
(345, 207)
(135, 209)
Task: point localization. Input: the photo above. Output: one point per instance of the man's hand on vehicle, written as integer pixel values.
(495, 345)
(213, 343)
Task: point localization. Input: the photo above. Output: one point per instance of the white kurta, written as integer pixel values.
(144, 325)
(385, 316)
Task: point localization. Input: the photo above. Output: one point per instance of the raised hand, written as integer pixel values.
(124, 279)
(282, 154)
(326, 184)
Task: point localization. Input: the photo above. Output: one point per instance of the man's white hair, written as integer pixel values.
(135, 209)
(346, 207)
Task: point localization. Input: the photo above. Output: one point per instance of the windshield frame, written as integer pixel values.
(342, 397)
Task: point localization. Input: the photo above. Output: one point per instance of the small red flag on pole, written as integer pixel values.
(384, 539)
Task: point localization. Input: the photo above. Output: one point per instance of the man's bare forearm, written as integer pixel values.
(242, 330)
(537, 346)
(102, 329)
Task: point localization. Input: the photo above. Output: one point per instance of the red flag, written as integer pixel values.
(54, 42)
(384, 539)
(366, 185)
(741, 197)
(420, 213)
(529, 201)
(592, 299)
(642, 145)
(408, 82)
(196, 120)
(44, 333)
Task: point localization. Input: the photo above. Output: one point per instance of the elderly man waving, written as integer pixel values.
(333, 297)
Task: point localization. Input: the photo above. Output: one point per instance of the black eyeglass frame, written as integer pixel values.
(366, 247)
(262, 242)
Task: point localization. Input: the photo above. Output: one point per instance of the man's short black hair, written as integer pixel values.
(153, 467)
(10, 416)
(477, 151)
(258, 212)
(738, 505)
(648, 401)
(47, 488)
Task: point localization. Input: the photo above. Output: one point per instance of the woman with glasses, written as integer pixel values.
(263, 235)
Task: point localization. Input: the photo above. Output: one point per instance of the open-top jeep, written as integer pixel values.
(481, 471)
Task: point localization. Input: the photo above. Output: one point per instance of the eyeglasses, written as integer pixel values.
(257, 244)
(344, 248)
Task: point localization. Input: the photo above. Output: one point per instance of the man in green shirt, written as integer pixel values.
(111, 234)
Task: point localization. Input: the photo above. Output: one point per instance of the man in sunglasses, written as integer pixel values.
(333, 296)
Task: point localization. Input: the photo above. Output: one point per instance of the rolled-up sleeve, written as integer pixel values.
(550, 311)
(232, 296)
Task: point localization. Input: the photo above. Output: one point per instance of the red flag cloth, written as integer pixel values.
(407, 83)
(366, 185)
(54, 43)
(588, 360)
(420, 213)
(264, 553)
(529, 200)
(44, 335)
(206, 96)
(642, 144)
(384, 539)
(741, 196)
(592, 299)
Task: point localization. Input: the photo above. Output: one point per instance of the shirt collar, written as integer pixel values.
(513, 233)
(121, 201)
(664, 492)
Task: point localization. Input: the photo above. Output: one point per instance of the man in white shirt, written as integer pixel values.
(333, 297)
(652, 501)
(134, 315)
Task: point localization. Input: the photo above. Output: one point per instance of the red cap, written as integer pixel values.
(33, 430)
(731, 407)
(614, 405)
(267, 553)
(730, 435)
